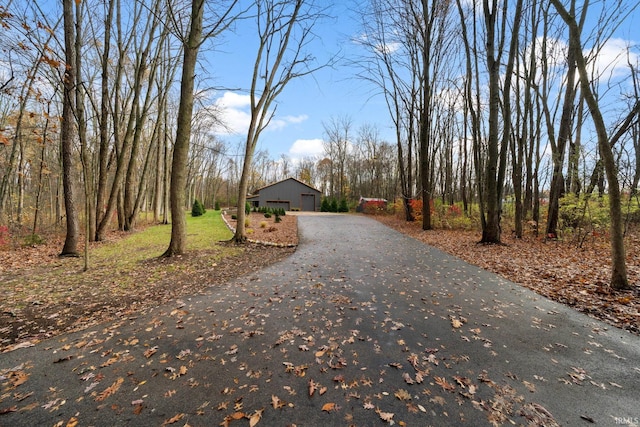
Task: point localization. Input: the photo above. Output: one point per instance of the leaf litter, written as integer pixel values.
(330, 333)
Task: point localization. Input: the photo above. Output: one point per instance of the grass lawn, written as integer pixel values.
(203, 234)
(44, 295)
(116, 265)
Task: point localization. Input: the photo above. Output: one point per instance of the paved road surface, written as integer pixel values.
(361, 326)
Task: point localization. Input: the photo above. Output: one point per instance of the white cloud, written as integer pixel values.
(233, 100)
(306, 148)
(388, 47)
(235, 115)
(296, 119)
(282, 122)
(613, 56)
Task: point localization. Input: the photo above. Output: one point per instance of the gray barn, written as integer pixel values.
(289, 194)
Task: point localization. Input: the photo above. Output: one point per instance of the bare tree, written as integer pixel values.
(407, 44)
(635, 130)
(558, 148)
(33, 59)
(284, 30)
(619, 279)
(70, 247)
(306, 171)
(336, 146)
(191, 45)
(130, 109)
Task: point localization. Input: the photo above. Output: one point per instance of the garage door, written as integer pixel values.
(308, 202)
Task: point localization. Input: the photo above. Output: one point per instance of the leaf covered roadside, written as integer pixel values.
(44, 295)
(559, 270)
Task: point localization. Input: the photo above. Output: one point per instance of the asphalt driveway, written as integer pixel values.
(361, 326)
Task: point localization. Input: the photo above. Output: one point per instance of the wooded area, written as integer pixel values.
(497, 106)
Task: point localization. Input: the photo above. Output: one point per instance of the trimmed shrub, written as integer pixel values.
(325, 205)
(263, 224)
(217, 205)
(247, 208)
(197, 209)
(343, 206)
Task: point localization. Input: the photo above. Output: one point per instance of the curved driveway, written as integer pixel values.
(361, 326)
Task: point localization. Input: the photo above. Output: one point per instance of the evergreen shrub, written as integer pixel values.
(197, 209)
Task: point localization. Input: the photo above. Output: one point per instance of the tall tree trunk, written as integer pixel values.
(424, 131)
(574, 185)
(21, 183)
(134, 180)
(158, 193)
(564, 135)
(463, 165)
(166, 171)
(177, 245)
(123, 143)
(471, 103)
(565, 129)
(103, 154)
(619, 278)
(41, 167)
(82, 135)
(496, 148)
(109, 204)
(70, 247)
(491, 230)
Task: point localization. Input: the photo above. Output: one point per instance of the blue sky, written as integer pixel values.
(297, 129)
(307, 102)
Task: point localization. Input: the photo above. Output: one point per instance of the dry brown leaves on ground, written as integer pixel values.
(561, 271)
(31, 313)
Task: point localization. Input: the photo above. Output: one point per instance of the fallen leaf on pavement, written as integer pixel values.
(255, 418)
(173, 419)
(112, 389)
(385, 416)
(276, 402)
(402, 394)
(328, 407)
